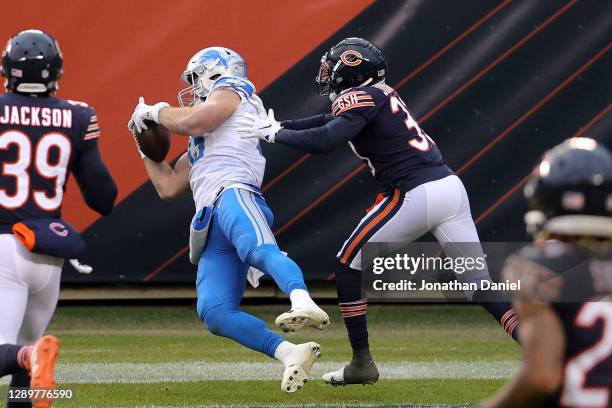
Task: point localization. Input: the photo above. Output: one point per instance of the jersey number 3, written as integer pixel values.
(19, 169)
(422, 140)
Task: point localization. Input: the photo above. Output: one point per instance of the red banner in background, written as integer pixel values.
(116, 51)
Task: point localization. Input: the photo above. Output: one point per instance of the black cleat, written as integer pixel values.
(353, 373)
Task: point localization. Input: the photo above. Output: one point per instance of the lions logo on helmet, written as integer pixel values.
(204, 68)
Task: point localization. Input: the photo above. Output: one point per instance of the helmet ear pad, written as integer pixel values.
(208, 77)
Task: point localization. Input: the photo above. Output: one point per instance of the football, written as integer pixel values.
(154, 141)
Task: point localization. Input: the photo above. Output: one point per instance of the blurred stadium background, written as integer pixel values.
(495, 83)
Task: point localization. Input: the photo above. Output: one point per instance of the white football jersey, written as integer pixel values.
(221, 158)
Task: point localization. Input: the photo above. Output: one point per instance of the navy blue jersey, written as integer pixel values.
(578, 284)
(379, 129)
(43, 140)
(392, 144)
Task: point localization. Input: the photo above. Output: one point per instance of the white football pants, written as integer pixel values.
(29, 290)
(440, 206)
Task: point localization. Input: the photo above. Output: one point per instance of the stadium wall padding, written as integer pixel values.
(494, 83)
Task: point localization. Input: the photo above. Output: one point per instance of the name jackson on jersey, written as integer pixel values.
(42, 142)
(36, 116)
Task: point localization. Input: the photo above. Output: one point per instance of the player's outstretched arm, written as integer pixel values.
(190, 121)
(307, 123)
(543, 342)
(95, 181)
(321, 139)
(203, 118)
(170, 182)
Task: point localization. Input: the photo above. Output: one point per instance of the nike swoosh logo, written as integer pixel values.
(265, 127)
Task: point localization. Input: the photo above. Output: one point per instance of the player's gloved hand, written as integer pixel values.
(253, 126)
(144, 112)
(132, 129)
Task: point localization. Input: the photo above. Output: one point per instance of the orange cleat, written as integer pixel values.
(41, 367)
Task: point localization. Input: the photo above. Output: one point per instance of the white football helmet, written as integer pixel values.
(204, 68)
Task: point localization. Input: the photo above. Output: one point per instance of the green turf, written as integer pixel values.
(262, 393)
(399, 333)
(175, 334)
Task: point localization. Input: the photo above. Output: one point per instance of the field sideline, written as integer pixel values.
(161, 356)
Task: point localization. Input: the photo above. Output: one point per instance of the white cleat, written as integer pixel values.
(300, 360)
(295, 319)
(335, 377)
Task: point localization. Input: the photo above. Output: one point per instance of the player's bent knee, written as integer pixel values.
(213, 317)
(245, 247)
(262, 254)
(204, 306)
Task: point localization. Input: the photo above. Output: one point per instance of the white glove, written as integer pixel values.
(144, 112)
(252, 126)
(81, 268)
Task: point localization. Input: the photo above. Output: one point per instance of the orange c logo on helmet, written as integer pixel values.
(356, 60)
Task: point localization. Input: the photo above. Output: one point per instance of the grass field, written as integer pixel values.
(162, 356)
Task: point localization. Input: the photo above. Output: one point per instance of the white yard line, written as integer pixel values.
(201, 371)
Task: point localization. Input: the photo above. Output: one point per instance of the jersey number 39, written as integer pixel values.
(27, 156)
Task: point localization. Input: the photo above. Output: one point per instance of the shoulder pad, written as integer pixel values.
(92, 131)
(241, 86)
(353, 98)
(550, 271)
(81, 108)
(77, 103)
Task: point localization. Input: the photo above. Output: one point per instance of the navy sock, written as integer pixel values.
(8, 359)
(20, 379)
(353, 308)
(496, 304)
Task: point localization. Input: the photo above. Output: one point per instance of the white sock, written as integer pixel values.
(283, 350)
(301, 299)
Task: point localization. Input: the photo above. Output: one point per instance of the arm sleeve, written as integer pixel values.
(323, 139)
(95, 182)
(307, 123)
